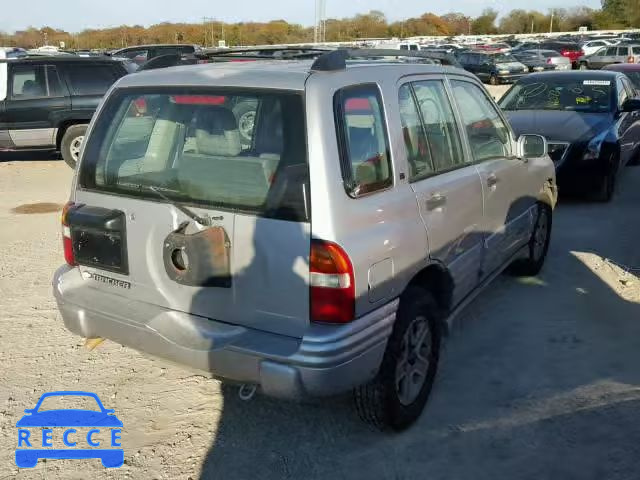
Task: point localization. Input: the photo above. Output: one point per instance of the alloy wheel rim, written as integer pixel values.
(76, 145)
(415, 358)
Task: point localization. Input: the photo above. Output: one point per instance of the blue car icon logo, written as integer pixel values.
(84, 433)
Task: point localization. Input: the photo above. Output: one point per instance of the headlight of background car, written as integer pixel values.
(538, 69)
(525, 69)
(503, 72)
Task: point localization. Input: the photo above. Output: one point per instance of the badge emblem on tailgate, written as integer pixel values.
(114, 282)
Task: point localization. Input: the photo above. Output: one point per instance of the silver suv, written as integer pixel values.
(330, 252)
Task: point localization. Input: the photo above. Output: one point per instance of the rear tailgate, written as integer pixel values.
(205, 225)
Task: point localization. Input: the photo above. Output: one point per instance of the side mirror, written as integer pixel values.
(631, 105)
(531, 146)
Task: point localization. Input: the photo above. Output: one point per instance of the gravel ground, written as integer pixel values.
(539, 379)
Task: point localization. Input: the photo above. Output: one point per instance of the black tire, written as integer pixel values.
(583, 66)
(378, 402)
(69, 147)
(538, 245)
(608, 184)
(493, 80)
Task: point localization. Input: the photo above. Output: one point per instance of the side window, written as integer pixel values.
(439, 124)
(631, 91)
(623, 51)
(415, 139)
(138, 56)
(90, 79)
(362, 136)
(611, 51)
(622, 93)
(601, 53)
(488, 135)
(34, 81)
(635, 50)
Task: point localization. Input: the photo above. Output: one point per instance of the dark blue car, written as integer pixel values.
(69, 418)
(591, 120)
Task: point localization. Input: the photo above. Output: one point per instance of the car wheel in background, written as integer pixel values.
(72, 143)
(493, 80)
(583, 66)
(608, 184)
(538, 245)
(396, 397)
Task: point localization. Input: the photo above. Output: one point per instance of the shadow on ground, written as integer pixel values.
(539, 380)
(29, 156)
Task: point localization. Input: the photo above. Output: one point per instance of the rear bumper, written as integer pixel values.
(327, 360)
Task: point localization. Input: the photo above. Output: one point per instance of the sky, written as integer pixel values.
(77, 15)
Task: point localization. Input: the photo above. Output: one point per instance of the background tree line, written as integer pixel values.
(614, 14)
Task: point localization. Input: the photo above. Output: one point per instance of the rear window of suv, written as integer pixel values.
(235, 151)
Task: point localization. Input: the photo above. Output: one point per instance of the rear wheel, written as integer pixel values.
(397, 396)
(72, 143)
(493, 80)
(583, 66)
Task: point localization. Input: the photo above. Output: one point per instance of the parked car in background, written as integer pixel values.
(590, 120)
(550, 57)
(182, 243)
(610, 55)
(631, 70)
(533, 61)
(570, 50)
(592, 46)
(493, 68)
(143, 53)
(13, 52)
(46, 103)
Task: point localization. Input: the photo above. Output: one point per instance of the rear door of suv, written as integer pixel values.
(446, 184)
(36, 97)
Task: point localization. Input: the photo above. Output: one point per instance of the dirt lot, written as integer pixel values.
(539, 379)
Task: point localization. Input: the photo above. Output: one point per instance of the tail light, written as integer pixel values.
(332, 289)
(67, 244)
(631, 59)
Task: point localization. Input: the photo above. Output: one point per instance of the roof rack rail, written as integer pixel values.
(265, 53)
(337, 59)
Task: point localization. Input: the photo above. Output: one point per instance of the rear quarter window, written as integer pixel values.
(90, 79)
(362, 139)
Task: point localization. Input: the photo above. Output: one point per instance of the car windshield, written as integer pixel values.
(504, 58)
(554, 93)
(224, 150)
(69, 402)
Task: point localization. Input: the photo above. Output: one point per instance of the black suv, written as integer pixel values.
(494, 68)
(143, 53)
(47, 102)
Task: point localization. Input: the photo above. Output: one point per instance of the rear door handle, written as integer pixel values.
(492, 180)
(436, 200)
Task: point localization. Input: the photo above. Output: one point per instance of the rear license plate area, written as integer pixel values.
(99, 238)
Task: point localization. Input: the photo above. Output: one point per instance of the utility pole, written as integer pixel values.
(551, 23)
(209, 20)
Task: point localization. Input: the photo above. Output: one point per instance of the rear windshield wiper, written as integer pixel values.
(204, 221)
